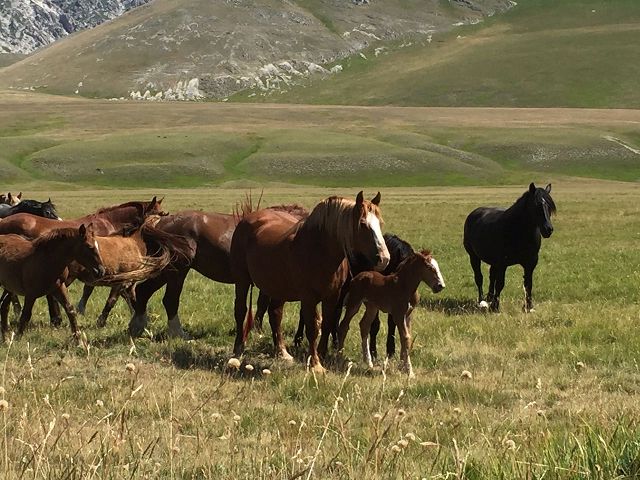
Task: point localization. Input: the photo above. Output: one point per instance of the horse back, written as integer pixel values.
(31, 226)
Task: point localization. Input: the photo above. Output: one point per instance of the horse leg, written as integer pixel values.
(369, 316)
(330, 319)
(144, 291)
(62, 295)
(240, 312)
(275, 320)
(17, 308)
(129, 296)
(350, 312)
(528, 286)
(87, 290)
(309, 311)
(108, 306)
(261, 308)
(477, 275)
(404, 330)
(498, 272)
(171, 302)
(55, 316)
(299, 336)
(373, 336)
(5, 303)
(25, 316)
(391, 336)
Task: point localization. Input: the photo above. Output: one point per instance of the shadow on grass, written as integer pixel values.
(450, 306)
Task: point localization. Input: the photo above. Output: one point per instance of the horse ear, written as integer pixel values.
(360, 198)
(83, 231)
(160, 201)
(532, 187)
(49, 201)
(548, 188)
(376, 200)
(20, 196)
(10, 197)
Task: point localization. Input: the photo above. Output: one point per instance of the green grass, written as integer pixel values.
(82, 143)
(531, 409)
(542, 53)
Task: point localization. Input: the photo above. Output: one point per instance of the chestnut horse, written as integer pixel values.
(396, 294)
(211, 234)
(139, 255)
(33, 268)
(302, 260)
(106, 221)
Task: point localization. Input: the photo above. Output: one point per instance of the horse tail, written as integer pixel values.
(249, 323)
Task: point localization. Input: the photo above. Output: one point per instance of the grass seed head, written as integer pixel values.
(99, 403)
(466, 375)
(4, 405)
(233, 363)
(403, 443)
(396, 449)
(580, 366)
(509, 444)
(410, 436)
(130, 367)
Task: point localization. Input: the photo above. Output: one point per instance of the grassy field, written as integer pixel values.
(553, 394)
(541, 53)
(77, 143)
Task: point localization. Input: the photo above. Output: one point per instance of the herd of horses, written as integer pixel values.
(334, 256)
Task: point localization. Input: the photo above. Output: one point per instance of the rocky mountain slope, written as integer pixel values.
(189, 49)
(26, 25)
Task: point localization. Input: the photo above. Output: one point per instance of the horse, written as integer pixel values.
(10, 199)
(302, 260)
(503, 238)
(106, 221)
(137, 255)
(399, 250)
(41, 209)
(211, 234)
(395, 294)
(33, 268)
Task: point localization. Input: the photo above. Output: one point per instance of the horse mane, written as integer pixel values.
(139, 205)
(294, 209)
(426, 253)
(546, 196)
(179, 246)
(550, 203)
(334, 216)
(55, 234)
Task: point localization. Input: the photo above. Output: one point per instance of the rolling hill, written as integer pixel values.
(542, 53)
(191, 49)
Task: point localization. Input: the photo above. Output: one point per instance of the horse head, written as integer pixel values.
(541, 207)
(431, 274)
(87, 252)
(367, 238)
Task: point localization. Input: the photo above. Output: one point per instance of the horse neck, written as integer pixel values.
(409, 275)
(330, 249)
(116, 217)
(58, 250)
(517, 214)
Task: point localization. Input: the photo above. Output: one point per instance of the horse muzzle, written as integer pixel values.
(437, 288)
(382, 261)
(98, 272)
(546, 231)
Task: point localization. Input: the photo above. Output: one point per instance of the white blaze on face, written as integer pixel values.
(374, 224)
(434, 264)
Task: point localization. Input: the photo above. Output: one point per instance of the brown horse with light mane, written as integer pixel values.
(302, 260)
(33, 268)
(396, 294)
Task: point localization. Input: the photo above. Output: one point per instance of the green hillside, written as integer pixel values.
(542, 53)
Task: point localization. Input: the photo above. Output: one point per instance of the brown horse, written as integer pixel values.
(395, 294)
(33, 268)
(106, 221)
(142, 254)
(302, 260)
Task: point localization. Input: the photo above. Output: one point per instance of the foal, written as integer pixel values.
(34, 268)
(395, 294)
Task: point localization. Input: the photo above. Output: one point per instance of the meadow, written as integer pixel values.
(552, 394)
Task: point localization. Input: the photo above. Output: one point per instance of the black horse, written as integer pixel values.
(502, 238)
(41, 209)
(399, 251)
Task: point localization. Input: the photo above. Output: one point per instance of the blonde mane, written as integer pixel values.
(334, 217)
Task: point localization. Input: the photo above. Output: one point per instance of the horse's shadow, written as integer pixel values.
(450, 306)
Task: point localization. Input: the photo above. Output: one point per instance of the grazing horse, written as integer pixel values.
(502, 238)
(302, 260)
(41, 209)
(395, 294)
(33, 268)
(138, 255)
(106, 221)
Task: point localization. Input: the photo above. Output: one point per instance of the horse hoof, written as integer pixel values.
(483, 305)
(56, 321)
(101, 322)
(286, 356)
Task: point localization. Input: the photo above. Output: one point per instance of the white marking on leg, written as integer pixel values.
(483, 305)
(383, 252)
